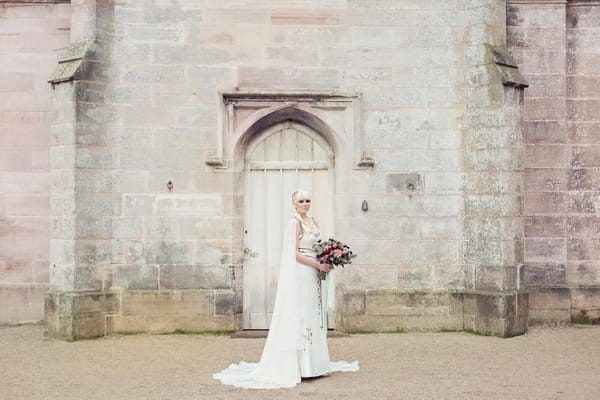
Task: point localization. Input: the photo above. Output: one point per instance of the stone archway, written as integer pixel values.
(333, 120)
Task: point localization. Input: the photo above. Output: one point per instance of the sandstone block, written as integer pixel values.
(156, 32)
(129, 138)
(583, 203)
(545, 203)
(451, 277)
(415, 276)
(584, 179)
(134, 277)
(585, 298)
(550, 299)
(545, 156)
(194, 277)
(88, 227)
(535, 274)
(545, 250)
(194, 117)
(209, 205)
(307, 77)
(369, 323)
(582, 249)
(204, 227)
(213, 35)
(161, 227)
(583, 109)
(159, 252)
(583, 273)
(138, 205)
(93, 157)
(354, 303)
(208, 255)
(549, 317)
(489, 277)
(305, 16)
(404, 183)
(590, 316)
(370, 277)
(123, 227)
(583, 226)
(584, 157)
(225, 303)
(26, 204)
(88, 277)
(581, 63)
(154, 74)
(149, 117)
(545, 226)
(545, 179)
(137, 95)
(196, 54)
(426, 323)
(166, 303)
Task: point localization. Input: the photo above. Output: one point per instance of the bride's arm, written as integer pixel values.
(303, 259)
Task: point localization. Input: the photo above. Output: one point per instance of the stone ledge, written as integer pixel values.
(70, 62)
(82, 315)
(496, 313)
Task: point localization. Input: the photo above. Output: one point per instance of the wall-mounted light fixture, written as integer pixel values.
(364, 206)
(170, 186)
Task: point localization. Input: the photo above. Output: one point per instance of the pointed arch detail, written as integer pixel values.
(334, 116)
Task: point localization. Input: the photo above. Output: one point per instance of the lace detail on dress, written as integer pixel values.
(320, 304)
(308, 336)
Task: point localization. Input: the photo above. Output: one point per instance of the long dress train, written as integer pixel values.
(296, 345)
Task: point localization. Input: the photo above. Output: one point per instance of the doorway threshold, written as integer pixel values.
(262, 334)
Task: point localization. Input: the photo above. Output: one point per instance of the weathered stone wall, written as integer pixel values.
(440, 246)
(556, 45)
(30, 37)
(583, 179)
(475, 284)
(129, 254)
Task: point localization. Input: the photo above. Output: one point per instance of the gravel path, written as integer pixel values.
(546, 363)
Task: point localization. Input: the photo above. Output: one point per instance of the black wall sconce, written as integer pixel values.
(364, 206)
(170, 186)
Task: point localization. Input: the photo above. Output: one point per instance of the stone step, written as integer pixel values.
(262, 333)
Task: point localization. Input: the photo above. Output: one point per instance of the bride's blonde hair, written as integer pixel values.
(300, 194)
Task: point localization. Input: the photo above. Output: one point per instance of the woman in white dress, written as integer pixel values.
(296, 345)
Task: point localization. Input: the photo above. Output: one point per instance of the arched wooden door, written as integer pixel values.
(281, 159)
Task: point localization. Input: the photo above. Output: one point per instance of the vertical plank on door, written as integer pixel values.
(272, 147)
(255, 238)
(304, 148)
(289, 140)
(273, 236)
(321, 200)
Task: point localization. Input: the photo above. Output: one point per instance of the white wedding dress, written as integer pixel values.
(296, 345)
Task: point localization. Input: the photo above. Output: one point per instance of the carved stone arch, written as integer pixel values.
(276, 115)
(335, 116)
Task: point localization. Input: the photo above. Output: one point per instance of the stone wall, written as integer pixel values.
(31, 35)
(556, 46)
(138, 105)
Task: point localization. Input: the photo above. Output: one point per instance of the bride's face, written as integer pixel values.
(302, 205)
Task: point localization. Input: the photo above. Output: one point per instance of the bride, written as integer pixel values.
(296, 345)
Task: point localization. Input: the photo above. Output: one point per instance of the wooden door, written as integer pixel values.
(285, 157)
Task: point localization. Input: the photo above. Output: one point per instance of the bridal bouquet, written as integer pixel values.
(334, 253)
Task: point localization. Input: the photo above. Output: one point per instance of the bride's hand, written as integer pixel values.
(324, 267)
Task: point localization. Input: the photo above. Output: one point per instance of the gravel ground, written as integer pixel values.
(562, 363)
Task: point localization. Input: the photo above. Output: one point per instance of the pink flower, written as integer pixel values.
(337, 253)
